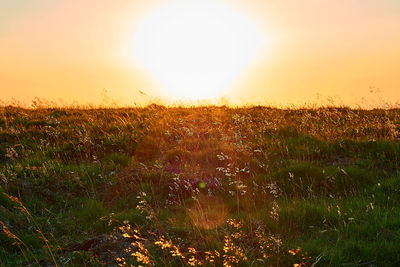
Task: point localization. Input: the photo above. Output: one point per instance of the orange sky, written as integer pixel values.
(71, 50)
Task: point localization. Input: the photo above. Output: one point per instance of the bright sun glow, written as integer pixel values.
(195, 49)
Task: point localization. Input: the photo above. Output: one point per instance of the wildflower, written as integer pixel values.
(303, 256)
(11, 153)
(3, 178)
(232, 253)
(274, 213)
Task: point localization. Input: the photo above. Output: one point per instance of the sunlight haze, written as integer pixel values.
(272, 52)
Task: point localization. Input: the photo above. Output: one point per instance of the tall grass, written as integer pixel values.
(207, 185)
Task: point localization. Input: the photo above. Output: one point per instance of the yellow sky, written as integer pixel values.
(316, 49)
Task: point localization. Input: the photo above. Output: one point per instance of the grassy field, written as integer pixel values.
(209, 186)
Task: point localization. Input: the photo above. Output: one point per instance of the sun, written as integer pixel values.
(195, 49)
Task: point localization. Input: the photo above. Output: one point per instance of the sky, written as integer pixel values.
(312, 51)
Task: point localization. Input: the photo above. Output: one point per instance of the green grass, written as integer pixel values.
(326, 181)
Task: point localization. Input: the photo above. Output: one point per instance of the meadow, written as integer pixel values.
(191, 186)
